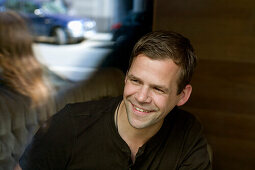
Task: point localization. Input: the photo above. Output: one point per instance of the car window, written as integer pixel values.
(54, 7)
(14, 5)
(29, 7)
(22, 6)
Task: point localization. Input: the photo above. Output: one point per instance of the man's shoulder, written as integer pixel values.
(183, 114)
(188, 133)
(80, 116)
(183, 118)
(90, 108)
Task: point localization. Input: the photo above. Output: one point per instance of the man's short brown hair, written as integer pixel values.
(160, 45)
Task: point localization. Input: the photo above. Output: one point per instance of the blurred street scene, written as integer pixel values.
(76, 61)
(74, 38)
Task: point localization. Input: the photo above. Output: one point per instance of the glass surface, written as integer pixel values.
(54, 7)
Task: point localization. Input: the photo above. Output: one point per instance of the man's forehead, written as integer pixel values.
(153, 58)
(164, 70)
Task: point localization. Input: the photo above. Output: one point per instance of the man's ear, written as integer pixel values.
(184, 95)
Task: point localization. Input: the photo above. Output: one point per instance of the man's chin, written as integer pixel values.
(137, 123)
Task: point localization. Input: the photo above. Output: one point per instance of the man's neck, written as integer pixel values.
(135, 138)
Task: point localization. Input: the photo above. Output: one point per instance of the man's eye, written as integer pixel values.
(159, 90)
(134, 81)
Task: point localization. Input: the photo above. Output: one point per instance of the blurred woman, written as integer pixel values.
(27, 98)
(23, 89)
(20, 71)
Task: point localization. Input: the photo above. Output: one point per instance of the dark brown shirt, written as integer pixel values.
(83, 136)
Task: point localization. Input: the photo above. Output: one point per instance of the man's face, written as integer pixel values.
(150, 91)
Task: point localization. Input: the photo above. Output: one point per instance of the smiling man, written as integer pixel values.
(143, 129)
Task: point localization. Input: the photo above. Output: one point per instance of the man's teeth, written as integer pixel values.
(141, 110)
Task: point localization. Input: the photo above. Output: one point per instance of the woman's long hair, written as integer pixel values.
(19, 69)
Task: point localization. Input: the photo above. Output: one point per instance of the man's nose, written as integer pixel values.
(143, 95)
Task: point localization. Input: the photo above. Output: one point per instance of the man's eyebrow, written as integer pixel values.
(132, 76)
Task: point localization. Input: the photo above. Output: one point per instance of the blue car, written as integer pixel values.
(48, 20)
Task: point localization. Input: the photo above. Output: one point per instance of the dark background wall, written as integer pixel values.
(223, 98)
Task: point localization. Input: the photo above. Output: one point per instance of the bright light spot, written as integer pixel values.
(89, 24)
(76, 28)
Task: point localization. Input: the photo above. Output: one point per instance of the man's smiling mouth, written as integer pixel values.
(141, 110)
